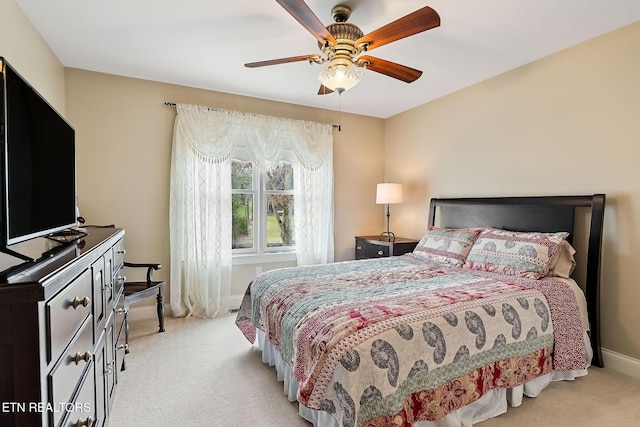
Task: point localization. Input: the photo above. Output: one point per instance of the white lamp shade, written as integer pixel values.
(389, 193)
(340, 77)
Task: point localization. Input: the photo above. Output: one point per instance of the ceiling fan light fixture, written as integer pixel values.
(340, 77)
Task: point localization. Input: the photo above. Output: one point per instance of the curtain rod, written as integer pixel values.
(173, 104)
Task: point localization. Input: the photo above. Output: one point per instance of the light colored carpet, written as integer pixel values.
(205, 373)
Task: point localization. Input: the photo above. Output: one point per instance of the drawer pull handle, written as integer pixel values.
(79, 356)
(88, 422)
(121, 279)
(380, 253)
(121, 252)
(123, 347)
(120, 310)
(80, 302)
(359, 247)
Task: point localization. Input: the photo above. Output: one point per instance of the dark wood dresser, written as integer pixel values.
(62, 335)
(373, 247)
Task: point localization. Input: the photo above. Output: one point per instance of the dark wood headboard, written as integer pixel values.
(544, 214)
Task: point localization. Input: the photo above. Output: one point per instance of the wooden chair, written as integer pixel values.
(137, 291)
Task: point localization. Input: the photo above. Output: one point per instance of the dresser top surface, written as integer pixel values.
(57, 257)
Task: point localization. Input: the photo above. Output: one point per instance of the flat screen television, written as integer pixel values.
(38, 163)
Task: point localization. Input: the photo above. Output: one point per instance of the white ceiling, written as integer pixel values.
(205, 43)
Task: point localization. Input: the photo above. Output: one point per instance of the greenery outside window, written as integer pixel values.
(262, 206)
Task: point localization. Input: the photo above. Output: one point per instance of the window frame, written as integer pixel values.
(259, 178)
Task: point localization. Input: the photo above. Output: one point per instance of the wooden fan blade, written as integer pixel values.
(324, 90)
(281, 61)
(391, 69)
(421, 20)
(304, 15)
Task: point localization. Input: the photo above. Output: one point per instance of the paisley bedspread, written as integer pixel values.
(391, 341)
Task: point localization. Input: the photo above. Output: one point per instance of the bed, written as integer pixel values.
(484, 311)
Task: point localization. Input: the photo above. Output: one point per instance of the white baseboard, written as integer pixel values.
(235, 301)
(621, 363)
(142, 312)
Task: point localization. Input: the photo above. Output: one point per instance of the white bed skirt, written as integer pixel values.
(490, 405)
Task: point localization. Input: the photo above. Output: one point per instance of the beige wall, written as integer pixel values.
(567, 124)
(123, 138)
(23, 47)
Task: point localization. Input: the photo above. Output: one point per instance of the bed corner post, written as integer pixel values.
(593, 275)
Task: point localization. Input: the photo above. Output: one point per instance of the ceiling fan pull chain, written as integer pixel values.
(340, 110)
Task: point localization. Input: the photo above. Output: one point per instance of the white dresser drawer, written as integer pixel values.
(64, 377)
(66, 312)
(82, 410)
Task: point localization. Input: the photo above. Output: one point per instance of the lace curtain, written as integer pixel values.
(200, 197)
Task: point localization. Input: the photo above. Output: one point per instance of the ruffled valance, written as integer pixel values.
(213, 134)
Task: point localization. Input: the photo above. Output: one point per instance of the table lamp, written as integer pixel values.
(388, 193)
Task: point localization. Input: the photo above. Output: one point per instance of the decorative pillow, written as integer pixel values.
(515, 253)
(564, 263)
(447, 245)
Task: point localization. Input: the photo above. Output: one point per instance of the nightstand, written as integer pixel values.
(373, 247)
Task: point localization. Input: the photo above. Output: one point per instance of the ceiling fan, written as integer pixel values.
(343, 43)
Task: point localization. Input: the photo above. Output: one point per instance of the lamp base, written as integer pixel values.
(391, 237)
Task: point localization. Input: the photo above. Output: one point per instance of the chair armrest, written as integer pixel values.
(149, 266)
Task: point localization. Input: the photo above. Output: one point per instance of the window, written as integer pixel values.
(262, 207)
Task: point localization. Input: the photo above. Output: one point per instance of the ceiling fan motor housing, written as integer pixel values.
(345, 31)
(344, 51)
